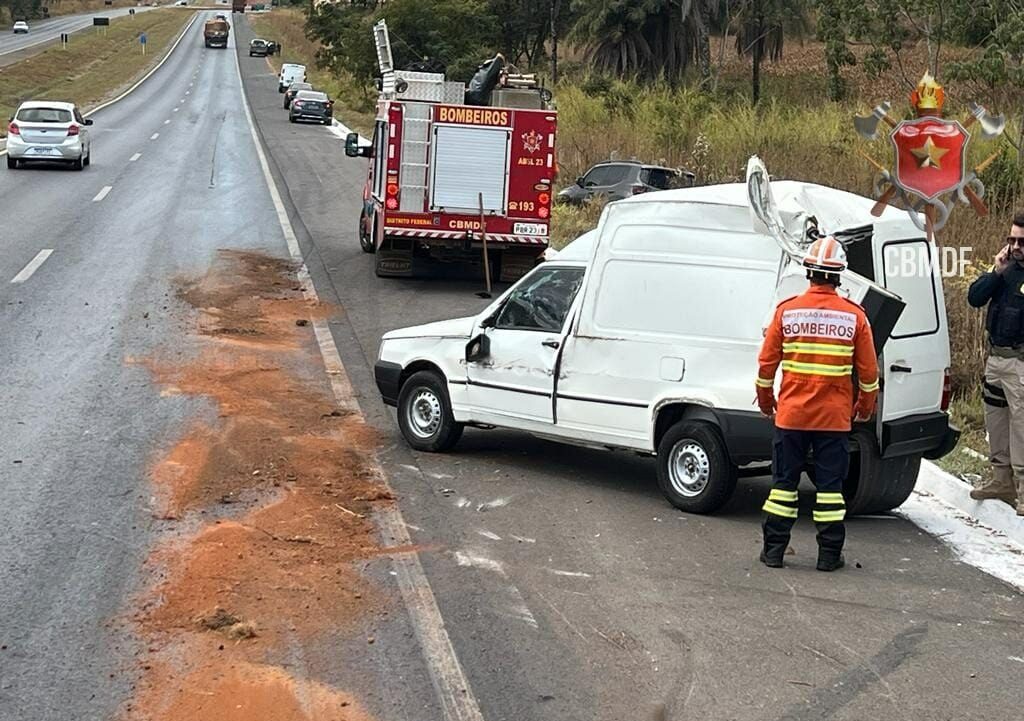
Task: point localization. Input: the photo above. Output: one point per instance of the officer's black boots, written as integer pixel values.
(831, 563)
(772, 561)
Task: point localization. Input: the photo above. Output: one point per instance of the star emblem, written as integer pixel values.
(929, 154)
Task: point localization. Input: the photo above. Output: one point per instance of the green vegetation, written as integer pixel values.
(95, 66)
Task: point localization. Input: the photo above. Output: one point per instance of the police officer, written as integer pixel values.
(1002, 288)
(819, 338)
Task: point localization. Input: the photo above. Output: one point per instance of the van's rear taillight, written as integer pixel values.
(947, 390)
(13, 129)
(72, 130)
(637, 189)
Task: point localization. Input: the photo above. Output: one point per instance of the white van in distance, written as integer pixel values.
(290, 73)
(644, 334)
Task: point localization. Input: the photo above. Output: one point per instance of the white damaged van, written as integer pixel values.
(644, 334)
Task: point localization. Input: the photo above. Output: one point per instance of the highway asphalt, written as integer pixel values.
(569, 588)
(45, 31)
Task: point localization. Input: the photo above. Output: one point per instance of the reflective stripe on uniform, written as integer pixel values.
(777, 510)
(818, 348)
(829, 498)
(817, 369)
(777, 494)
(829, 516)
(868, 387)
(766, 382)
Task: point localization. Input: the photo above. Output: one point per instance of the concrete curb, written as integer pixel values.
(994, 515)
(129, 91)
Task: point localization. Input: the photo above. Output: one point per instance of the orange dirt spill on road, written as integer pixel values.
(234, 599)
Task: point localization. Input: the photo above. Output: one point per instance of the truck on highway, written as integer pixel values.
(444, 174)
(215, 33)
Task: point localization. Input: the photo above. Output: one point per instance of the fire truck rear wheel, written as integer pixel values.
(365, 239)
(425, 413)
(875, 484)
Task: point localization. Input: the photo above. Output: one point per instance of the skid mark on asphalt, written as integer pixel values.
(826, 701)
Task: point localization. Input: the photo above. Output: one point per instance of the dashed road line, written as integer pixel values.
(103, 193)
(176, 109)
(134, 157)
(32, 266)
(154, 136)
(167, 122)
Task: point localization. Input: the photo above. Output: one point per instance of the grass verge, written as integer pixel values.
(354, 108)
(95, 66)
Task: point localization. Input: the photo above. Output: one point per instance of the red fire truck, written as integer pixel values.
(443, 174)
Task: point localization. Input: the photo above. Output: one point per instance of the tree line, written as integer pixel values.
(671, 40)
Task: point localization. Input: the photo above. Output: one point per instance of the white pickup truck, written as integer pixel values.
(644, 335)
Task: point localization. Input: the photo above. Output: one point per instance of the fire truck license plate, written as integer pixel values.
(530, 229)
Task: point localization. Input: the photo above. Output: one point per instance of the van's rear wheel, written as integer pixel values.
(425, 413)
(876, 484)
(694, 469)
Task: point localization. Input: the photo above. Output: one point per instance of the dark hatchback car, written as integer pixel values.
(259, 48)
(311, 105)
(292, 91)
(620, 179)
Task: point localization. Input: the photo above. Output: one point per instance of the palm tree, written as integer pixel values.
(641, 38)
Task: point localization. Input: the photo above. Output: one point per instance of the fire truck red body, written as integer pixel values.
(441, 175)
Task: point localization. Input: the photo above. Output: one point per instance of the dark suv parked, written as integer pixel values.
(620, 179)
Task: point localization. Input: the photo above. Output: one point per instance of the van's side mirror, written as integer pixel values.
(88, 121)
(478, 349)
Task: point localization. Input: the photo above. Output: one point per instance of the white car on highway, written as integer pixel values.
(47, 130)
(20, 27)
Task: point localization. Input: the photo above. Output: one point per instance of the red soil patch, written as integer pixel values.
(281, 571)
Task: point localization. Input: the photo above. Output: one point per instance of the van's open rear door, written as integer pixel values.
(882, 306)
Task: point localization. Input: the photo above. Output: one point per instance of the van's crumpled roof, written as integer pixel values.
(835, 209)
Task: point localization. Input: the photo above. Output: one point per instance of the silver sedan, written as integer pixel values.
(45, 130)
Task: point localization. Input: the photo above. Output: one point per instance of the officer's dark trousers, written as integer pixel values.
(831, 461)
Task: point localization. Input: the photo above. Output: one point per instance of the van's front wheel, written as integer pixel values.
(425, 413)
(694, 470)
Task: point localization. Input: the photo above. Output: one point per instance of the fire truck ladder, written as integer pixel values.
(415, 147)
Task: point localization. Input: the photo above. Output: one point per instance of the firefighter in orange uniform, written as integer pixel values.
(820, 339)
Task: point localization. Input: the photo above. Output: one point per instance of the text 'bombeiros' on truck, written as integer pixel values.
(456, 175)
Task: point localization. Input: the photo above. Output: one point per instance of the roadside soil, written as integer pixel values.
(268, 502)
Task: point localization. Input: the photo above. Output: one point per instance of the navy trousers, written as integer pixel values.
(831, 461)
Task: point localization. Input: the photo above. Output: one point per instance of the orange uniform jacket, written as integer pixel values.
(819, 338)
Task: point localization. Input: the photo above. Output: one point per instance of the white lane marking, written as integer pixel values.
(134, 157)
(490, 534)
(176, 109)
(143, 79)
(454, 693)
(167, 122)
(103, 193)
(573, 574)
(188, 92)
(524, 539)
(32, 266)
(154, 136)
